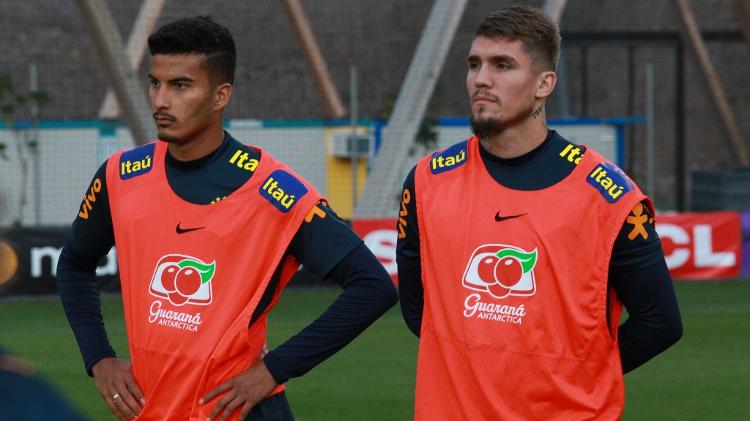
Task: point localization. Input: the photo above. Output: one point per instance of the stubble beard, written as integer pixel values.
(492, 127)
(486, 128)
(167, 138)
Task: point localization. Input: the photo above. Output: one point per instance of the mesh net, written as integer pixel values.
(51, 144)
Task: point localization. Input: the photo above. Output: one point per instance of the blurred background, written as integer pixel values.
(350, 93)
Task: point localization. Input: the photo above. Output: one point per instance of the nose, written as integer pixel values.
(482, 77)
(159, 97)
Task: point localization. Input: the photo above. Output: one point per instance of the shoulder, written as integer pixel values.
(569, 151)
(284, 188)
(243, 156)
(134, 162)
(612, 183)
(447, 159)
(409, 180)
(323, 240)
(637, 245)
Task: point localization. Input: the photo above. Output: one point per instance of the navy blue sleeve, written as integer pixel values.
(323, 240)
(368, 293)
(90, 238)
(410, 287)
(640, 277)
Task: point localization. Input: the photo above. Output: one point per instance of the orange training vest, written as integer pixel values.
(192, 275)
(515, 292)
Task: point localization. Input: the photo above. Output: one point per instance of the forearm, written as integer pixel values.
(368, 293)
(408, 258)
(80, 299)
(411, 292)
(654, 322)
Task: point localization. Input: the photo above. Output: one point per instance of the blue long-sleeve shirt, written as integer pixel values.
(325, 246)
(638, 272)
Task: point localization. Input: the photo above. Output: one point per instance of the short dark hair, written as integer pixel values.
(536, 31)
(198, 35)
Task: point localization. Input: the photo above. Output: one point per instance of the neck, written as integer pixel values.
(200, 145)
(517, 140)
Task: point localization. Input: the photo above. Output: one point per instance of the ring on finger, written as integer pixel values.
(114, 397)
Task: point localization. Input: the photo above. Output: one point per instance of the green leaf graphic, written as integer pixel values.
(206, 271)
(528, 260)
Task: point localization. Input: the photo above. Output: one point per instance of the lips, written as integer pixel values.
(483, 98)
(483, 101)
(163, 120)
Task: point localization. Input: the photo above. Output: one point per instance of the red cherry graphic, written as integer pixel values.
(498, 290)
(188, 281)
(177, 299)
(486, 269)
(508, 272)
(168, 276)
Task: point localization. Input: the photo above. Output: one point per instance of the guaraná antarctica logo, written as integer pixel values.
(183, 280)
(501, 271)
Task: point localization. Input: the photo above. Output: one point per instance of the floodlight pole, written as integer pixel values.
(128, 89)
(380, 198)
(137, 42)
(693, 35)
(323, 81)
(554, 9)
(742, 12)
(650, 136)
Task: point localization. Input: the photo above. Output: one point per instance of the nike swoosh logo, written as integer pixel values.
(180, 230)
(499, 218)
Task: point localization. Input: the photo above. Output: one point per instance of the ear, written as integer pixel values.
(546, 82)
(222, 95)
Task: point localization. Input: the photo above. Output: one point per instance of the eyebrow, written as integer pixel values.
(175, 80)
(493, 59)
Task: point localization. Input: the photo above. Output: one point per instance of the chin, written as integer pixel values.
(486, 127)
(167, 137)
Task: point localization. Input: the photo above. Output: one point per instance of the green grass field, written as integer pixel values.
(705, 376)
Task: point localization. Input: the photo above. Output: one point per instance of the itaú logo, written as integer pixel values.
(501, 270)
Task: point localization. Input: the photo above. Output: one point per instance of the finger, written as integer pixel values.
(234, 404)
(129, 402)
(212, 394)
(122, 406)
(221, 404)
(113, 407)
(136, 391)
(246, 410)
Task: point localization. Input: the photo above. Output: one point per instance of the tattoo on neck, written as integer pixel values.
(538, 111)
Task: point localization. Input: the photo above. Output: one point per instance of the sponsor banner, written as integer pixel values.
(28, 261)
(745, 244)
(379, 236)
(699, 246)
(29, 256)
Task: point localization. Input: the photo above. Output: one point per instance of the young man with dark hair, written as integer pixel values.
(518, 249)
(208, 233)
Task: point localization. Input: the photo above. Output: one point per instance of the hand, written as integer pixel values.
(245, 391)
(115, 382)
(15, 365)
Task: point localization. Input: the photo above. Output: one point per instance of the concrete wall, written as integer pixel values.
(379, 37)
